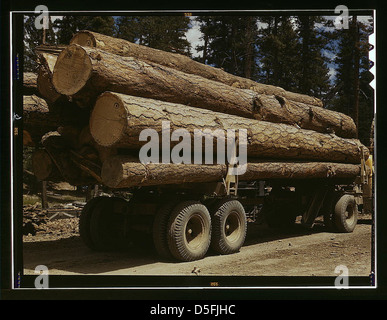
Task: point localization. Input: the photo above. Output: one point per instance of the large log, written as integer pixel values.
(305, 116)
(44, 168)
(37, 120)
(117, 121)
(30, 86)
(44, 81)
(83, 73)
(122, 172)
(180, 62)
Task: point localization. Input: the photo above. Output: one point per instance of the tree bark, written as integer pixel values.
(282, 110)
(84, 73)
(249, 56)
(117, 121)
(183, 63)
(122, 172)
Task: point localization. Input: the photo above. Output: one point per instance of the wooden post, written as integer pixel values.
(44, 195)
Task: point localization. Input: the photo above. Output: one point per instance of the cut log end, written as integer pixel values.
(84, 38)
(108, 120)
(42, 165)
(72, 70)
(112, 172)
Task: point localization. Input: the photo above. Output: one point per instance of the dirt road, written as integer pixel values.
(267, 252)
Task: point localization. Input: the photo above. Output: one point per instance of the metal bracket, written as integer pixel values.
(231, 180)
(363, 169)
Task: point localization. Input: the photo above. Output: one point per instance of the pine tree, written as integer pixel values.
(160, 32)
(207, 28)
(229, 43)
(314, 72)
(34, 37)
(69, 25)
(354, 95)
(279, 49)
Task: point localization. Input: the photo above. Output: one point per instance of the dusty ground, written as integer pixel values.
(266, 252)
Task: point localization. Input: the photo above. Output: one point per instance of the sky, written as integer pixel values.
(194, 37)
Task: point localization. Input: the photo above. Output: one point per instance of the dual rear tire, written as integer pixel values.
(186, 231)
(102, 223)
(181, 230)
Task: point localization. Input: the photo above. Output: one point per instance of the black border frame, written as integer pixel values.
(147, 289)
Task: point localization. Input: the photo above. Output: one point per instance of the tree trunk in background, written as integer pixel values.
(356, 64)
(249, 60)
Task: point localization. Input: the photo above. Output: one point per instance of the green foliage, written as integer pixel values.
(160, 32)
(314, 72)
(285, 52)
(344, 100)
(69, 25)
(229, 43)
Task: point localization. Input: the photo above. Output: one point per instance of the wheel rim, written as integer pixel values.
(232, 227)
(195, 232)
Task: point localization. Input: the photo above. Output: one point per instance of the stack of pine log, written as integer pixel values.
(94, 97)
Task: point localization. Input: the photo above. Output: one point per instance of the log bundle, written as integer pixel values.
(95, 97)
(183, 63)
(83, 73)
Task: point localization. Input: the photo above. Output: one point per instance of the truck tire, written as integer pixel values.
(160, 229)
(84, 221)
(229, 227)
(346, 214)
(189, 231)
(328, 210)
(107, 224)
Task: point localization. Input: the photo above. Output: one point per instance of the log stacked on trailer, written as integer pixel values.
(183, 63)
(83, 73)
(123, 172)
(124, 88)
(117, 121)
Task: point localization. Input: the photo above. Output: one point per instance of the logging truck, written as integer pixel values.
(116, 99)
(186, 219)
